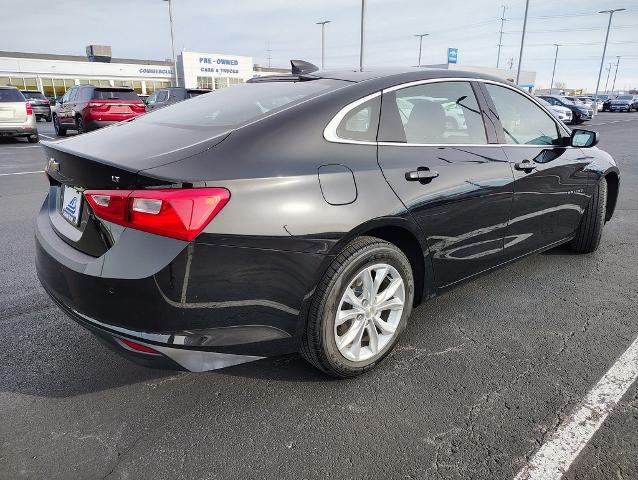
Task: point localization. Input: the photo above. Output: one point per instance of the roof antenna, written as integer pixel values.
(301, 67)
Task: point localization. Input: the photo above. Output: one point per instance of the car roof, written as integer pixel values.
(8, 86)
(395, 75)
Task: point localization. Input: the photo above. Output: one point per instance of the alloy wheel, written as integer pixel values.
(369, 312)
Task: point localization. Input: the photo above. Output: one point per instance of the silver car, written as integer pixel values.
(16, 115)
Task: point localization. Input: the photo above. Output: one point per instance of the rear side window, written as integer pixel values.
(114, 94)
(362, 122)
(11, 95)
(524, 122)
(433, 113)
(162, 96)
(246, 102)
(33, 95)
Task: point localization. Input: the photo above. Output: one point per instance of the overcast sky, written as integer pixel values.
(140, 29)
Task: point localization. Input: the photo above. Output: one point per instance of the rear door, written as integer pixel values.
(551, 186)
(444, 164)
(12, 106)
(65, 111)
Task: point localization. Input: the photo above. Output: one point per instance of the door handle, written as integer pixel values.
(422, 175)
(526, 165)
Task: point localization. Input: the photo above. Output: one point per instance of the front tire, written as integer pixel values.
(588, 235)
(359, 309)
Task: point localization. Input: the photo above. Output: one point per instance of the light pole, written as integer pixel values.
(500, 37)
(363, 19)
(520, 55)
(613, 85)
(551, 85)
(421, 35)
(602, 60)
(608, 72)
(170, 17)
(323, 25)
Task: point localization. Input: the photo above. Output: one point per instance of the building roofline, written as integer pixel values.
(81, 58)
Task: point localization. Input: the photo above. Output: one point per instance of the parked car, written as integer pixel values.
(589, 101)
(607, 102)
(16, 115)
(219, 231)
(39, 103)
(624, 103)
(580, 112)
(564, 114)
(168, 96)
(84, 108)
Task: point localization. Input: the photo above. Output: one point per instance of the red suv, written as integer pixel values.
(85, 108)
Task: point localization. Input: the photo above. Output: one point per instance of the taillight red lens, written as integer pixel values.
(29, 109)
(138, 347)
(176, 213)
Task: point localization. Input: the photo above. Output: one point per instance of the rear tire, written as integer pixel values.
(33, 139)
(588, 235)
(385, 262)
(60, 131)
(79, 125)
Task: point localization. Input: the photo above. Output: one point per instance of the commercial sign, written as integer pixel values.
(452, 55)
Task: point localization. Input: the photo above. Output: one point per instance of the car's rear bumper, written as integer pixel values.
(95, 124)
(41, 110)
(202, 306)
(18, 129)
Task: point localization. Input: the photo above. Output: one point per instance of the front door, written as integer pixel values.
(551, 187)
(435, 154)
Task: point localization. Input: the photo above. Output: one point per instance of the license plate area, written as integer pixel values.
(71, 208)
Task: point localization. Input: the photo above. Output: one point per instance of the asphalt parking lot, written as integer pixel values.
(481, 377)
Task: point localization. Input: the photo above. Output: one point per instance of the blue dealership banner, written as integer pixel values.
(452, 54)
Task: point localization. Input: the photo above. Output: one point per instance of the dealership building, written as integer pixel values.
(54, 74)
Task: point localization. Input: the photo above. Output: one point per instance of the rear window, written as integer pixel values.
(194, 93)
(11, 95)
(625, 97)
(239, 104)
(30, 95)
(114, 94)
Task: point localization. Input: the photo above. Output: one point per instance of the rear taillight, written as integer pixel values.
(137, 347)
(176, 213)
(29, 109)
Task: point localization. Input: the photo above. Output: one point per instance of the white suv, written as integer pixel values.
(16, 115)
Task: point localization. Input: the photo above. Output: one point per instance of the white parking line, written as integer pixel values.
(20, 173)
(556, 455)
(46, 136)
(25, 146)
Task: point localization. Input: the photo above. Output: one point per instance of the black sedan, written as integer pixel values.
(308, 212)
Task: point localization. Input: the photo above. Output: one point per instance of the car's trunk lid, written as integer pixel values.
(111, 158)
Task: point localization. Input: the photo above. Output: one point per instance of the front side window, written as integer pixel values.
(524, 122)
(433, 113)
(162, 96)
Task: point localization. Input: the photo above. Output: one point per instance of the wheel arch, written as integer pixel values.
(613, 184)
(405, 235)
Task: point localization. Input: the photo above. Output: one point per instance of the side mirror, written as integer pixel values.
(584, 138)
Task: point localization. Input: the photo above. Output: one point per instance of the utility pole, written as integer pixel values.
(363, 19)
(614, 84)
(323, 25)
(602, 60)
(500, 37)
(520, 55)
(608, 72)
(268, 53)
(170, 18)
(511, 62)
(421, 35)
(551, 85)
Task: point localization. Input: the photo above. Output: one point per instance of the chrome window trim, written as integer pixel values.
(330, 132)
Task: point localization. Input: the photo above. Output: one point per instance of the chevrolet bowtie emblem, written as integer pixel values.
(53, 165)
